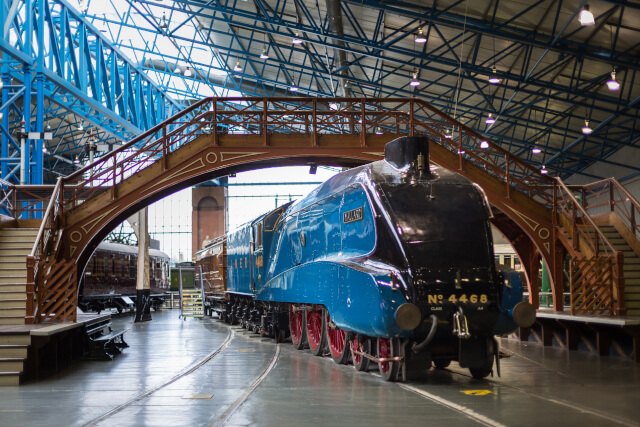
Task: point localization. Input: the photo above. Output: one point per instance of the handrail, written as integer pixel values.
(617, 200)
(579, 235)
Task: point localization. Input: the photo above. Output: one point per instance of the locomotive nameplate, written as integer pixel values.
(353, 215)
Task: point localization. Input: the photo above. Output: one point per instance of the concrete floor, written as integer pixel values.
(175, 373)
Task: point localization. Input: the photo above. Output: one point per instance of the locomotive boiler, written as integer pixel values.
(390, 262)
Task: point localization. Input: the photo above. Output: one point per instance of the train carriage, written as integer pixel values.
(111, 274)
(390, 262)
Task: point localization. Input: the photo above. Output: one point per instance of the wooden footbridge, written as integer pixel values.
(540, 215)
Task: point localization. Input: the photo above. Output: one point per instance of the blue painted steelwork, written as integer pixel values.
(80, 81)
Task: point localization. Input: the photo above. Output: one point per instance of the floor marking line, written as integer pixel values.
(462, 409)
(248, 391)
(185, 372)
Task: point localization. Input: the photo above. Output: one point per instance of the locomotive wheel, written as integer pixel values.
(315, 330)
(388, 347)
(441, 363)
(360, 362)
(296, 326)
(338, 343)
(480, 373)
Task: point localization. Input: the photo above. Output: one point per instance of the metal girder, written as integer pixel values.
(78, 77)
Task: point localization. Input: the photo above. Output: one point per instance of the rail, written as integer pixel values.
(596, 279)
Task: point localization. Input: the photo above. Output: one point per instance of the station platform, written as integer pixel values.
(202, 372)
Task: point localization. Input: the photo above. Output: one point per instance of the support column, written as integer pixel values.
(143, 291)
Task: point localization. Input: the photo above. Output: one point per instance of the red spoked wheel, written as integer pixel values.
(296, 326)
(388, 348)
(363, 345)
(338, 344)
(315, 330)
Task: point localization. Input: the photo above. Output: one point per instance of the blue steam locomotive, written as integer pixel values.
(391, 262)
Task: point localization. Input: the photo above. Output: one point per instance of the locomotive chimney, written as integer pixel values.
(402, 152)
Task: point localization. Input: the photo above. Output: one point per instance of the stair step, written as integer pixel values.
(11, 364)
(12, 280)
(15, 339)
(18, 232)
(25, 246)
(14, 303)
(13, 271)
(14, 320)
(13, 295)
(10, 253)
(13, 312)
(13, 351)
(9, 379)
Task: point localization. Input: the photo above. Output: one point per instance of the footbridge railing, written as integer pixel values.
(514, 186)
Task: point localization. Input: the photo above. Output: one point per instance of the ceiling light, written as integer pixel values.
(536, 150)
(80, 127)
(613, 84)
(447, 134)
(378, 131)
(334, 106)
(293, 88)
(490, 120)
(187, 72)
(414, 81)
(237, 68)
(461, 151)
(484, 145)
(493, 78)
(420, 38)
(543, 171)
(44, 149)
(586, 17)
(177, 69)
(163, 25)
(296, 39)
(586, 129)
(76, 161)
(48, 125)
(264, 54)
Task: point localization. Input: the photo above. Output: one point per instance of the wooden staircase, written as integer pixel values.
(15, 245)
(631, 269)
(13, 356)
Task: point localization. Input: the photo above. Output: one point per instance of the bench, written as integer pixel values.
(102, 341)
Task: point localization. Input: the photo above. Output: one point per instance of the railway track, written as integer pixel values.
(191, 370)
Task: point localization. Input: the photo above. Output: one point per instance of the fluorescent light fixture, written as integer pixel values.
(296, 39)
(493, 78)
(293, 88)
(586, 129)
(543, 171)
(490, 120)
(238, 67)
(484, 145)
(613, 84)
(586, 17)
(536, 150)
(414, 81)
(264, 54)
(420, 38)
(461, 151)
